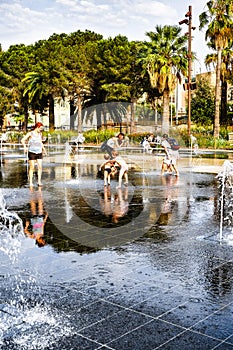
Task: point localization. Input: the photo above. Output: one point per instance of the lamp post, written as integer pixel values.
(188, 21)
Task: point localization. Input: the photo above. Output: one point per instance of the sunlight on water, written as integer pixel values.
(11, 227)
(25, 323)
(35, 328)
(226, 201)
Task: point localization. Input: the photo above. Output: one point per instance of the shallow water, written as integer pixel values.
(99, 241)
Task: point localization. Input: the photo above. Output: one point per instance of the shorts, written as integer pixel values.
(34, 156)
(167, 161)
(109, 170)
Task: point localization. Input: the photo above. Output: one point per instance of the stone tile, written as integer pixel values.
(115, 326)
(218, 325)
(147, 337)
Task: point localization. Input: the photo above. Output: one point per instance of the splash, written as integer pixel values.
(11, 227)
(226, 201)
(26, 321)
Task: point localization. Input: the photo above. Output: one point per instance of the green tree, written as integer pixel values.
(202, 103)
(225, 76)
(15, 62)
(115, 77)
(165, 60)
(47, 79)
(218, 19)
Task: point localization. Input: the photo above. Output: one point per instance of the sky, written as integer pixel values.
(27, 21)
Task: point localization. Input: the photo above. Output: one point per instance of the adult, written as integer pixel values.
(34, 148)
(170, 160)
(76, 142)
(80, 138)
(113, 143)
(146, 145)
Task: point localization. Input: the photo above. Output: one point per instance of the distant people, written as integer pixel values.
(151, 138)
(123, 168)
(113, 143)
(77, 142)
(170, 160)
(34, 150)
(109, 169)
(80, 139)
(194, 143)
(158, 140)
(126, 141)
(146, 145)
(34, 226)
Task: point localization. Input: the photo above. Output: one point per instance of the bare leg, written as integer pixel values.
(126, 177)
(31, 171)
(105, 177)
(121, 173)
(109, 178)
(39, 164)
(175, 169)
(164, 168)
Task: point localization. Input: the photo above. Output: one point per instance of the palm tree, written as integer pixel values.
(225, 76)
(41, 90)
(35, 89)
(218, 18)
(165, 60)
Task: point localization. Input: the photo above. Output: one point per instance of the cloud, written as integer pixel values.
(26, 21)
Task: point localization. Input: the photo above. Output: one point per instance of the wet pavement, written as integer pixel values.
(136, 268)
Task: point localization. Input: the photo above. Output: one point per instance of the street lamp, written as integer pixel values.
(188, 21)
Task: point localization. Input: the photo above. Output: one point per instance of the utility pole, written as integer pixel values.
(188, 21)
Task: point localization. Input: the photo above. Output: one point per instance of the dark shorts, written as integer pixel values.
(34, 156)
(108, 170)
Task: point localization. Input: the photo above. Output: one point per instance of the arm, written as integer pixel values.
(23, 141)
(163, 144)
(43, 149)
(101, 166)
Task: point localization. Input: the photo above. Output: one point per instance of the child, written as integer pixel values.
(109, 169)
(123, 168)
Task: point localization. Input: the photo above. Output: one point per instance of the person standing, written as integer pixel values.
(171, 156)
(34, 147)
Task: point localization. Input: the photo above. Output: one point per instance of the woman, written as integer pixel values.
(35, 151)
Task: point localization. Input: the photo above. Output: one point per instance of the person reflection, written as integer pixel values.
(114, 205)
(105, 202)
(34, 226)
(121, 204)
(167, 207)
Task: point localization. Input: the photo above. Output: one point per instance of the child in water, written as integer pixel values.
(109, 169)
(123, 168)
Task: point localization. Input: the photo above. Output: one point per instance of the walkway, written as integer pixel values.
(167, 286)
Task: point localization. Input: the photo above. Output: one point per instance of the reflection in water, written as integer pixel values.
(107, 207)
(121, 204)
(34, 226)
(171, 197)
(114, 205)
